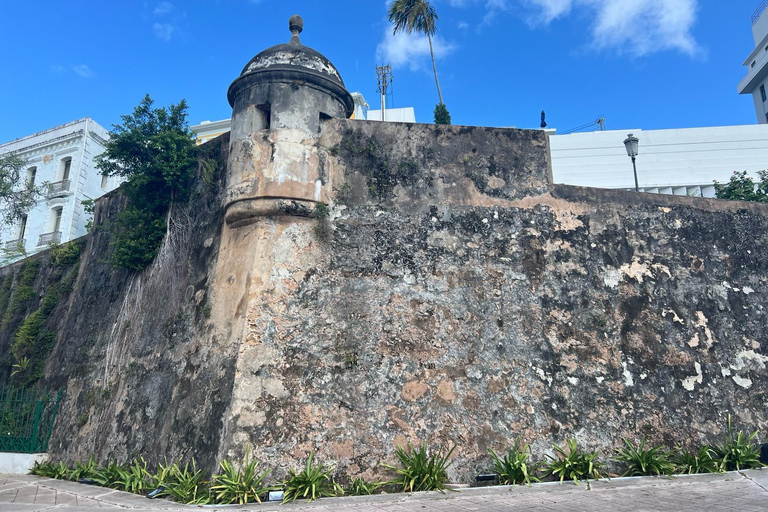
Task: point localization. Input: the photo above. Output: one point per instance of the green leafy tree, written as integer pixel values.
(154, 149)
(418, 16)
(742, 188)
(17, 195)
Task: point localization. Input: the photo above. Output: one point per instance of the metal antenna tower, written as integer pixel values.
(384, 82)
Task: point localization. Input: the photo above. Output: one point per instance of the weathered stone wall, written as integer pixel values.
(456, 296)
(453, 295)
(142, 369)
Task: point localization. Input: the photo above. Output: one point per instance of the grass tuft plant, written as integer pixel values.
(136, 478)
(692, 462)
(109, 475)
(48, 469)
(642, 461)
(421, 471)
(574, 464)
(311, 483)
(80, 471)
(738, 451)
(188, 484)
(514, 468)
(239, 484)
(362, 487)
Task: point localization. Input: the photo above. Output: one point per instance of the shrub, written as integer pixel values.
(574, 464)
(514, 467)
(311, 483)
(65, 254)
(642, 461)
(155, 151)
(22, 294)
(242, 484)
(737, 451)
(421, 471)
(701, 461)
(742, 188)
(442, 116)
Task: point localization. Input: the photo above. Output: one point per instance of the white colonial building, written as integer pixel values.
(63, 159)
(756, 81)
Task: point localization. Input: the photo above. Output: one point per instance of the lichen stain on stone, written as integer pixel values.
(689, 383)
(636, 270)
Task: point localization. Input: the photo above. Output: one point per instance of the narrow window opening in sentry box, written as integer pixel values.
(323, 118)
(266, 111)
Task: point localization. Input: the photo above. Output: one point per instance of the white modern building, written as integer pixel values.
(756, 81)
(393, 115)
(680, 162)
(63, 159)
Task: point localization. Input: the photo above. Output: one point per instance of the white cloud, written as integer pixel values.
(641, 28)
(163, 30)
(413, 49)
(550, 9)
(83, 70)
(163, 8)
(58, 69)
(634, 27)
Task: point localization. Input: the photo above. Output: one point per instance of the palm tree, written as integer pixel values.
(419, 16)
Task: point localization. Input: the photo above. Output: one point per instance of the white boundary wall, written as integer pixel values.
(19, 463)
(680, 162)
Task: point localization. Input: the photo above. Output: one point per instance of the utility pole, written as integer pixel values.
(384, 82)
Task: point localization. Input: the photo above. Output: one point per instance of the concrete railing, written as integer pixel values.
(15, 245)
(58, 187)
(49, 238)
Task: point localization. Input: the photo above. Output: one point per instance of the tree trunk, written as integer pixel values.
(434, 68)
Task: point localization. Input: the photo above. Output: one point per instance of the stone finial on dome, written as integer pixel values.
(296, 25)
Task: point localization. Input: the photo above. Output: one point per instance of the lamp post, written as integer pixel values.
(631, 144)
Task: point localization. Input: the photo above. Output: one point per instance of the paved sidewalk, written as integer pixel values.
(746, 491)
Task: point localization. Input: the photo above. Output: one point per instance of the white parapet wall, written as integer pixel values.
(681, 162)
(19, 463)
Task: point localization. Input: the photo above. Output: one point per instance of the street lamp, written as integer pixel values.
(631, 144)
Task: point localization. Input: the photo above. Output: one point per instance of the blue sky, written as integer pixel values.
(640, 63)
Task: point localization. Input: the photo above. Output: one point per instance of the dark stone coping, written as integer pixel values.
(630, 197)
(291, 74)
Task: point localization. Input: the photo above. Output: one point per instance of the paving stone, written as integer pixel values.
(65, 498)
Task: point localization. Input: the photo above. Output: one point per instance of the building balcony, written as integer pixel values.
(58, 189)
(49, 238)
(14, 246)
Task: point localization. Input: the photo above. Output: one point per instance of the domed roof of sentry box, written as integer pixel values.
(294, 61)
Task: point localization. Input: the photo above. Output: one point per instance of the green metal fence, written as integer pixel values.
(26, 419)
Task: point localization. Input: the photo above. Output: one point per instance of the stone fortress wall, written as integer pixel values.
(449, 293)
(453, 295)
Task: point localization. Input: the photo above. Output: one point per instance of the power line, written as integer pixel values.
(600, 121)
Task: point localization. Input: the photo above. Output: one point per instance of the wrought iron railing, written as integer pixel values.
(49, 238)
(759, 11)
(26, 419)
(58, 187)
(15, 245)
